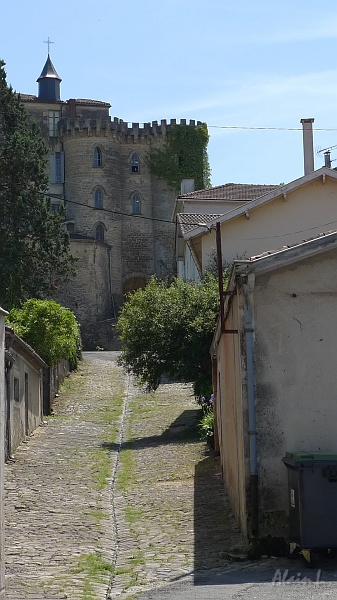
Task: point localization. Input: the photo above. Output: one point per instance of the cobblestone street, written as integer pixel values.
(89, 518)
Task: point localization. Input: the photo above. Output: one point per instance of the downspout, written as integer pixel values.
(248, 327)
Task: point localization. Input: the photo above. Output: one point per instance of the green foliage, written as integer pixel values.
(49, 328)
(206, 424)
(167, 329)
(183, 156)
(34, 251)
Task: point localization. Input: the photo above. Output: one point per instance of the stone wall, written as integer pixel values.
(135, 246)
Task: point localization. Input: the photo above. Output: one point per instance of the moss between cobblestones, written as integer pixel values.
(173, 510)
(95, 570)
(69, 533)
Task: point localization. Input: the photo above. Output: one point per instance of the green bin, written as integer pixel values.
(312, 488)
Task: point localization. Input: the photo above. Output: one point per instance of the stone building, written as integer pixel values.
(118, 213)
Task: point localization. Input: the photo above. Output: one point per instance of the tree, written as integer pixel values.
(34, 251)
(167, 329)
(49, 328)
(184, 156)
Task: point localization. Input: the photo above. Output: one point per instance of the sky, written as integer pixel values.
(250, 69)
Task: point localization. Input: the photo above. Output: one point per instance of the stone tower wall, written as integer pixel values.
(135, 246)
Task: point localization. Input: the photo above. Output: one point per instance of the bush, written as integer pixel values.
(206, 425)
(50, 329)
(167, 329)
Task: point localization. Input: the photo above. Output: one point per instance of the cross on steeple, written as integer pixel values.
(48, 42)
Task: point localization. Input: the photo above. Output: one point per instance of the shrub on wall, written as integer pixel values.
(50, 329)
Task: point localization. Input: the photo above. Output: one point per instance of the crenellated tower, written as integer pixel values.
(118, 213)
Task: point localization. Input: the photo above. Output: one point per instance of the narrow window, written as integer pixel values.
(136, 204)
(16, 389)
(135, 163)
(100, 233)
(56, 167)
(71, 228)
(53, 119)
(97, 157)
(98, 198)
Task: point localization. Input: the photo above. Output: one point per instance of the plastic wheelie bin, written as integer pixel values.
(312, 488)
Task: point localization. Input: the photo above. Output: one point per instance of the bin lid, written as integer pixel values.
(303, 457)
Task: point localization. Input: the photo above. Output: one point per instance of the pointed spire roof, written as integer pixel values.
(49, 71)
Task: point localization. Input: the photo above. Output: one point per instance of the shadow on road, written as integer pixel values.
(182, 431)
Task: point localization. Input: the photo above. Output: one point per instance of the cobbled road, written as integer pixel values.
(114, 496)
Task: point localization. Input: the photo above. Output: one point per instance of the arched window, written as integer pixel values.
(99, 198)
(100, 233)
(97, 157)
(136, 207)
(135, 163)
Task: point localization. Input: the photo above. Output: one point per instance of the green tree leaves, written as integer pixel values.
(168, 329)
(34, 251)
(49, 328)
(184, 156)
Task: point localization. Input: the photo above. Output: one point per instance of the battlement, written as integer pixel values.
(119, 126)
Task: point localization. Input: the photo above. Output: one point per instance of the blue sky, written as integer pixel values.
(242, 64)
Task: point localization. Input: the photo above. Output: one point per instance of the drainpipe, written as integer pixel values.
(251, 411)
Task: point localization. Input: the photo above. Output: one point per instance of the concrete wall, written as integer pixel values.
(25, 400)
(295, 332)
(308, 211)
(296, 375)
(232, 417)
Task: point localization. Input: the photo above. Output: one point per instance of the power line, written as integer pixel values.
(196, 223)
(267, 128)
(108, 210)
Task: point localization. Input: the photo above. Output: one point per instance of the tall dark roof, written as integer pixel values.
(49, 71)
(49, 83)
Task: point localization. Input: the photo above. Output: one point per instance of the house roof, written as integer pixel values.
(78, 101)
(89, 102)
(273, 259)
(236, 192)
(189, 221)
(279, 191)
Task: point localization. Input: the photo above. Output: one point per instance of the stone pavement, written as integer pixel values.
(115, 495)
(60, 540)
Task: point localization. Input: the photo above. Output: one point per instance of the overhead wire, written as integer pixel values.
(197, 224)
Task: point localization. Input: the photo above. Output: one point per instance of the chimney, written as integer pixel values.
(308, 146)
(327, 159)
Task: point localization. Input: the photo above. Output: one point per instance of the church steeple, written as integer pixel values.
(49, 82)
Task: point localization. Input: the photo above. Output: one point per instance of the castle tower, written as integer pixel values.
(118, 212)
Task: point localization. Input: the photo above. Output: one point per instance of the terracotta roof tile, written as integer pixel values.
(231, 191)
(88, 102)
(286, 246)
(189, 221)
